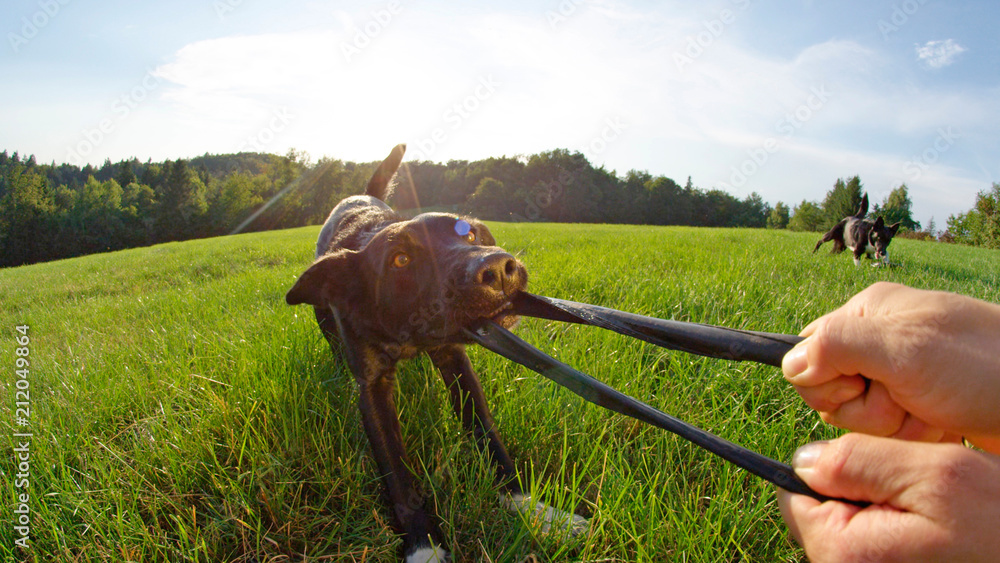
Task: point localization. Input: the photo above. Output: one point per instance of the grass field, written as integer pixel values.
(180, 411)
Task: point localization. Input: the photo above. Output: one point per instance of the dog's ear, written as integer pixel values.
(379, 183)
(879, 223)
(893, 228)
(331, 280)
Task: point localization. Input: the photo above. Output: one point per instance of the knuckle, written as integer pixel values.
(883, 287)
(833, 461)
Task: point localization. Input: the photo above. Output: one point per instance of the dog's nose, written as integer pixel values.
(499, 272)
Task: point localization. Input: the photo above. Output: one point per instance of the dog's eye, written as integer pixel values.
(401, 260)
(464, 230)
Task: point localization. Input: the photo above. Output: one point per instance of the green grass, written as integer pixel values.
(182, 412)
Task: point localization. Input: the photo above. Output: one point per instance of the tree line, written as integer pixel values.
(53, 211)
(844, 200)
(979, 226)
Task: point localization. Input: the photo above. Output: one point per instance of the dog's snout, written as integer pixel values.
(499, 272)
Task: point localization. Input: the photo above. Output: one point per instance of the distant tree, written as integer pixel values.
(564, 186)
(96, 218)
(126, 175)
(715, 208)
(182, 202)
(152, 176)
(236, 200)
(491, 199)
(807, 216)
(627, 204)
(931, 228)
(963, 228)
(980, 226)
(843, 200)
(754, 212)
(26, 216)
(325, 185)
(666, 203)
(896, 209)
(138, 208)
(778, 218)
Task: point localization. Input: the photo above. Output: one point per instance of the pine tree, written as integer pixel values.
(842, 201)
(182, 202)
(896, 209)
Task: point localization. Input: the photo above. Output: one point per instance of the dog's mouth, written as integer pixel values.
(503, 312)
(504, 315)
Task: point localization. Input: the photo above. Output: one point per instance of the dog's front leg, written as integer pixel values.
(859, 251)
(469, 402)
(376, 375)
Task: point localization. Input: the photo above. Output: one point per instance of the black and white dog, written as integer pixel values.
(384, 289)
(861, 236)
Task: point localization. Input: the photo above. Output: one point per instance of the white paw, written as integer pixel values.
(432, 554)
(544, 516)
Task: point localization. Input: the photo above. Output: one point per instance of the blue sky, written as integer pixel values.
(781, 98)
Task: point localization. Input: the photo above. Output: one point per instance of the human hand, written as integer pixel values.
(931, 358)
(931, 502)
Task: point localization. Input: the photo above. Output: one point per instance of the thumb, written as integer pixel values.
(867, 468)
(924, 497)
(856, 467)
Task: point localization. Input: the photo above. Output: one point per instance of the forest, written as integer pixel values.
(54, 211)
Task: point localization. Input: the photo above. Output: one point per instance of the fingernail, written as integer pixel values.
(795, 362)
(805, 457)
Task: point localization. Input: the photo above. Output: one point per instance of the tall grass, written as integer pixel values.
(181, 411)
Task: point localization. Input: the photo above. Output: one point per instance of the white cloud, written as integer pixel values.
(558, 85)
(939, 54)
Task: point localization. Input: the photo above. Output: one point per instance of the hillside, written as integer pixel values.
(180, 411)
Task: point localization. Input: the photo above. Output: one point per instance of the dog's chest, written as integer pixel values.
(856, 234)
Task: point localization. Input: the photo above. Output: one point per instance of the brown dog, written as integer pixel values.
(387, 289)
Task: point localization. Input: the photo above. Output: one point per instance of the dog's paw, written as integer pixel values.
(430, 554)
(546, 518)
